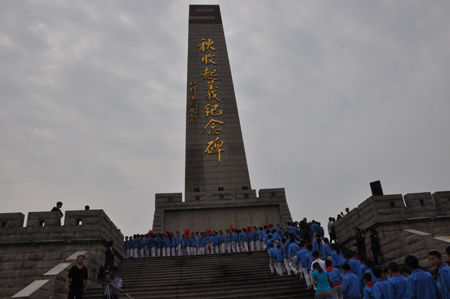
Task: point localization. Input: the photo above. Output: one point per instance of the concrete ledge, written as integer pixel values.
(31, 288)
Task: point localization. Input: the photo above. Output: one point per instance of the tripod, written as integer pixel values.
(107, 290)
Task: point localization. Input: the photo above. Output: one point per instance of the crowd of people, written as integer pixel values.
(301, 249)
(229, 240)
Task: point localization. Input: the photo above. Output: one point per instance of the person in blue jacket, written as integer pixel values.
(292, 255)
(167, 244)
(351, 285)
(382, 289)
(326, 249)
(147, 246)
(435, 259)
(362, 269)
(159, 244)
(228, 240)
(313, 230)
(397, 280)
(125, 248)
(141, 245)
(178, 243)
(273, 258)
(302, 260)
(221, 242)
(336, 257)
(130, 246)
(204, 243)
(172, 244)
(195, 246)
(237, 241)
(257, 238)
(251, 239)
(336, 280)
(244, 239)
(215, 242)
(421, 284)
(353, 262)
(320, 231)
(370, 264)
(135, 246)
(280, 260)
(264, 237)
(368, 288)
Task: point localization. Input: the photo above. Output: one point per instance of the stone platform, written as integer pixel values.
(220, 209)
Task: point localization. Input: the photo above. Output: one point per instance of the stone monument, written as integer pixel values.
(218, 193)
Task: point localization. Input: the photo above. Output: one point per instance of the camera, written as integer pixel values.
(103, 273)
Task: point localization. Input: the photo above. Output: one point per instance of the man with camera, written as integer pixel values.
(112, 283)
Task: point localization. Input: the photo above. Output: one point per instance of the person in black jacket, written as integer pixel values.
(360, 241)
(109, 255)
(375, 245)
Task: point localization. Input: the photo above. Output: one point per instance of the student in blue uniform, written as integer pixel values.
(317, 246)
(336, 257)
(141, 246)
(320, 231)
(292, 255)
(313, 230)
(228, 240)
(326, 249)
(203, 243)
(257, 238)
(221, 242)
(351, 285)
(167, 244)
(398, 281)
(435, 259)
(147, 246)
(172, 244)
(264, 237)
(273, 258)
(382, 289)
(362, 269)
(280, 260)
(159, 245)
(135, 246)
(421, 284)
(309, 261)
(178, 242)
(353, 262)
(125, 248)
(368, 289)
(370, 264)
(194, 244)
(244, 239)
(236, 239)
(215, 243)
(336, 280)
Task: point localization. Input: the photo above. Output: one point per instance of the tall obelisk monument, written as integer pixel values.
(217, 185)
(215, 155)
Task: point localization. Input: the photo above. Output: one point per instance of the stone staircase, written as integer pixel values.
(236, 275)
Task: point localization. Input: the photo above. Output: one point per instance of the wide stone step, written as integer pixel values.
(236, 275)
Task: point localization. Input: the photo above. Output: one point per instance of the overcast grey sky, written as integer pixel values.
(332, 95)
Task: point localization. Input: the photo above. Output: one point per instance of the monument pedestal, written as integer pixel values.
(218, 210)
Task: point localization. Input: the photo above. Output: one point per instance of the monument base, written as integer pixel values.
(218, 210)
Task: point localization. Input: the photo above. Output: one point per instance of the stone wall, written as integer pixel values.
(220, 209)
(391, 215)
(26, 253)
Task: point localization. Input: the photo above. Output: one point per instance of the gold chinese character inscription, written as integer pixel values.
(211, 90)
(208, 59)
(215, 147)
(213, 130)
(206, 45)
(193, 87)
(210, 74)
(209, 110)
